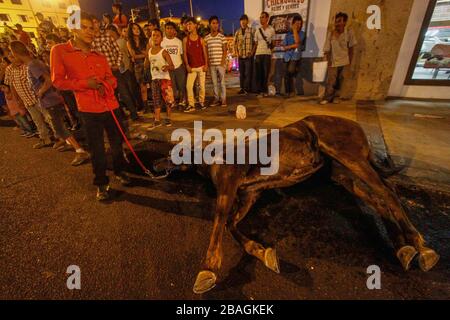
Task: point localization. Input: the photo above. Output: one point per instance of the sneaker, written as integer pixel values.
(202, 106)
(215, 104)
(24, 134)
(336, 100)
(75, 127)
(261, 95)
(103, 193)
(30, 135)
(242, 92)
(324, 102)
(59, 145)
(224, 104)
(167, 122)
(154, 125)
(189, 109)
(124, 179)
(80, 158)
(42, 144)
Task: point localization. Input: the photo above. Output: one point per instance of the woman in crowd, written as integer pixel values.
(137, 46)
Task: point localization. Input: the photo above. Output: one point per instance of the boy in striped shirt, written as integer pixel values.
(216, 46)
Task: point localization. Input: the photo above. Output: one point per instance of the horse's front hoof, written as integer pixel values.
(406, 254)
(428, 258)
(271, 260)
(206, 280)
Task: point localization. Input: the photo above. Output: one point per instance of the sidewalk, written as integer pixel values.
(415, 134)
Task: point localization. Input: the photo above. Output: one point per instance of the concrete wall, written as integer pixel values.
(370, 76)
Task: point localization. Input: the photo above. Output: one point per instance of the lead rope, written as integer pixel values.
(138, 160)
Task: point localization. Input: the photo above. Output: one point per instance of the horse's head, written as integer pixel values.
(166, 166)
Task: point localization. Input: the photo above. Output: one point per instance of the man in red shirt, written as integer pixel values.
(75, 66)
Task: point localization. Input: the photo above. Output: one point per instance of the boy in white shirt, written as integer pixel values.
(264, 37)
(174, 47)
(161, 64)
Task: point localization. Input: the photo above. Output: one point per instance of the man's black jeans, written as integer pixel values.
(245, 73)
(262, 69)
(94, 126)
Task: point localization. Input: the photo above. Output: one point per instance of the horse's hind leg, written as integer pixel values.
(363, 181)
(248, 196)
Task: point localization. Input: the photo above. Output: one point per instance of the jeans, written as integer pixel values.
(290, 78)
(23, 123)
(39, 120)
(94, 125)
(55, 117)
(133, 87)
(71, 103)
(125, 94)
(191, 78)
(178, 77)
(334, 81)
(262, 69)
(245, 73)
(218, 79)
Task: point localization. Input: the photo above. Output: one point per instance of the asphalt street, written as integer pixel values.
(149, 242)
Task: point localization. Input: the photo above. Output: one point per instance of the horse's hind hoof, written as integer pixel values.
(428, 258)
(406, 254)
(271, 260)
(206, 280)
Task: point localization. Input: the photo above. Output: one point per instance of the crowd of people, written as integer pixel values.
(109, 69)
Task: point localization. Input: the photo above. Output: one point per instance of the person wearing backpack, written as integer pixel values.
(264, 37)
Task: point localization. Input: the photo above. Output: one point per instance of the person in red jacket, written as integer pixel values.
(75, 66)
(120, 20)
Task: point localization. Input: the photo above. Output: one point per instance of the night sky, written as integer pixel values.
(229, 10)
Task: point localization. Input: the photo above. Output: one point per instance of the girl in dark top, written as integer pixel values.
(137, 45)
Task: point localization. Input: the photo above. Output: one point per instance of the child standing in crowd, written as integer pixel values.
(161, 64)
(76, 67)
(174, 47)
(17, 112)
(217, 55)
(196, 60)
(16, 77)
(51, 102)
(292, 44)
(243, 45)
(263, 53)
(339, 52)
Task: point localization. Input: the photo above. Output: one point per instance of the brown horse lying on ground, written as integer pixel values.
(303, 148)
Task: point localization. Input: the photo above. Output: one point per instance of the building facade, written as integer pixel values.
(408, 56)
(24, 12)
